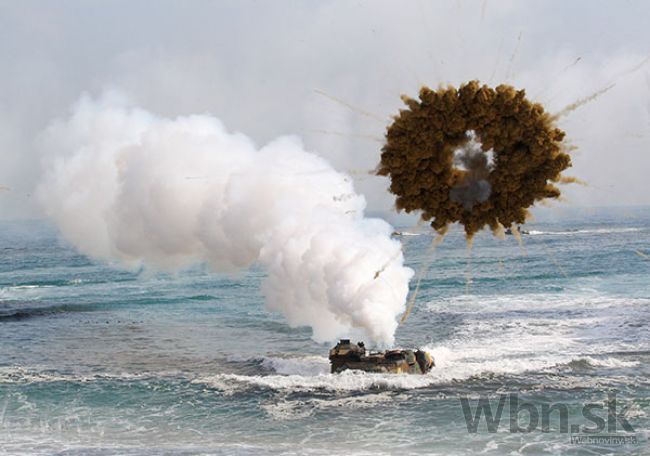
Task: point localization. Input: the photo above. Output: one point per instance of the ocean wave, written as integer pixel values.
(230, 383)
(25, 292)
(25, 287)
(530, 302)
(283, 365)
(22, 375)
(18, 315)
(312, 373)
(308, 365)
(36, 289)
(452, 364)
(202, 297)
(589, 362)
(347, 381)
(16, 310)
(302, 408)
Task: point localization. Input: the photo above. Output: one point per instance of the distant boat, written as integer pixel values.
(519, 230)
(403, 233)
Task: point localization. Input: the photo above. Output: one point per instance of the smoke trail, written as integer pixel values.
(121, 185)
(363, 112)
(513, 56)
(581, 102)
(368, 137)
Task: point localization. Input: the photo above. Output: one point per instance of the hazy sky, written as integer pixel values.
(258, 65)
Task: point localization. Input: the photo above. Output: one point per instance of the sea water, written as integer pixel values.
(98, 360)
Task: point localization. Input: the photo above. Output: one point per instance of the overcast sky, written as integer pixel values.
(262, 66)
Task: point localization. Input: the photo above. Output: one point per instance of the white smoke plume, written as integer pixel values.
(127, 186)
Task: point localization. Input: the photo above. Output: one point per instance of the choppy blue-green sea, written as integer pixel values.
(95, 360)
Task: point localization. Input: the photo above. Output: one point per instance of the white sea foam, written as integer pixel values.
(454, 366)
(22, 375)
(296, 409)
(27, 292)
(584, 231)
(569, 299)
(459, 363)
(345, 381)
(309, 365)
(513, 334)
(610, 362)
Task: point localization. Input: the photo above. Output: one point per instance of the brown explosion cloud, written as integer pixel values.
(436, 155)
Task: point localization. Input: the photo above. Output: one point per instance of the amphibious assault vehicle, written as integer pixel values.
(346, 355)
